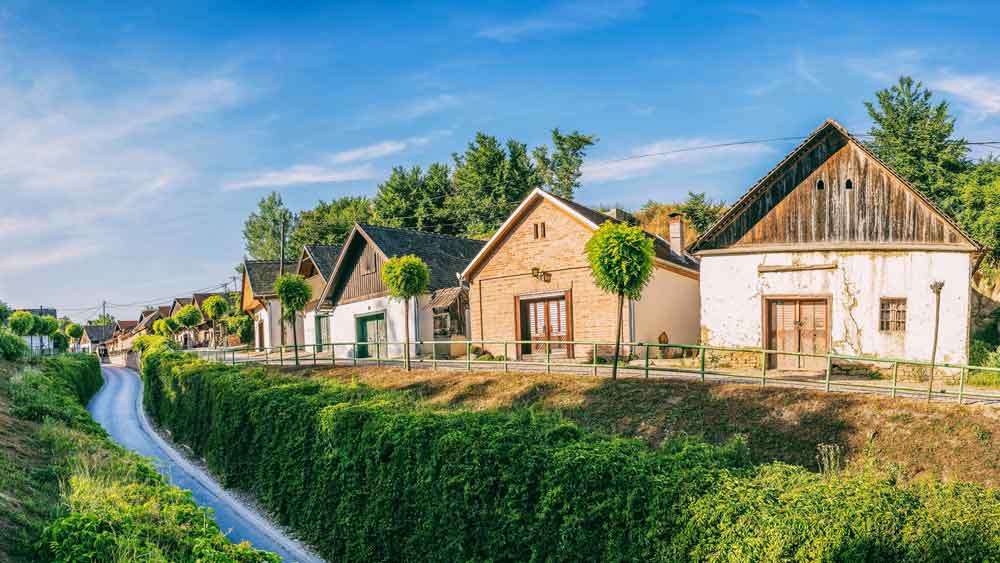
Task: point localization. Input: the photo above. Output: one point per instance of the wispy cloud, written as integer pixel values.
(980, 92)
(426, 106)
(48, 256)
(564, 17)
(680, 152)
(805, 70)
(889, 66)
(331, 168)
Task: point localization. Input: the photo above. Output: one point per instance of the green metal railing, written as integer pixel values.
(639, 358)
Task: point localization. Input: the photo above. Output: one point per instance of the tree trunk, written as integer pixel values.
(295, 341)
(618, 336)
(406, 354)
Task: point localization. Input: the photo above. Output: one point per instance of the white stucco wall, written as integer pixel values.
(732, 293)
(271, 315)
(343, 323)
(671, 304)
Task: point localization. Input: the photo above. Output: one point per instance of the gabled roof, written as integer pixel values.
(125, 326)
(323, 256)
(762, 185)
(589, 217)
(98, 333)
(263, 273)
(445, 255)
(199, 298)
(147, 318)
(164, 311)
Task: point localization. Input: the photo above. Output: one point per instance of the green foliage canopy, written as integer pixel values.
(241, 324)
(294, 292)
(621, 259)
(560, 173)
(329, 223)
(700, 211)
(74, 331)
(406, 276)
(913, 135)
(5, 313)
(214, 307)
(978, 195)
(12, 346)
(262, 233)
(189, 316)
(22, 323)
(46, 325)
(411, 199)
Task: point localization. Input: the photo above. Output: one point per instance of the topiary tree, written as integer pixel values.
(170, 326)
(47, 326)
(22, 323)
(294, 293)
(189, 316)
(158, 327)
(621, 262)
(74, 331)
(214, 308)
(406, 277)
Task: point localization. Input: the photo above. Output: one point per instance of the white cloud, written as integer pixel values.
(980, 92)
(47, 256)
(568, 16)
(889, 66)
(302, 174)
(425, 106)
(648, 159)
(804, 70)
(331, 168)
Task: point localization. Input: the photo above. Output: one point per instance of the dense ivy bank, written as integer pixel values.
(114, 507)
(371, 475)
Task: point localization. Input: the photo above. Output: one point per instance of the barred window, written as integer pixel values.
(892, 315)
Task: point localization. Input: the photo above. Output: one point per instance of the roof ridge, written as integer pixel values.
(417, 231)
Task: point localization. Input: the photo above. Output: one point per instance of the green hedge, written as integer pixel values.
(115, 506)
(370, 475)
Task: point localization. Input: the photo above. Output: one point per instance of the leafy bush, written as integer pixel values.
(22, 323)
(12, 346)
(117, 508)
(148, 343)
(241, 324)
(370, 475)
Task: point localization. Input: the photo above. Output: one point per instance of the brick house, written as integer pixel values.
(358, 302)
(532, 281)
(316, 265)
(833, 251)
(259, 300)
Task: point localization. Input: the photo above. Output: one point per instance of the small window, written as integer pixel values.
(819, 185)
(849, 185)
(539, 230)
(892, 315)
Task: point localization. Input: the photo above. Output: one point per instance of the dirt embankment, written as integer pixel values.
(916, 440)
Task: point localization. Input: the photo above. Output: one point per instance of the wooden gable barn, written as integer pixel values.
(834, 251)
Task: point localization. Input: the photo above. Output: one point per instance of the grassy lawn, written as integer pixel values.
(29, 490)
(908, 437)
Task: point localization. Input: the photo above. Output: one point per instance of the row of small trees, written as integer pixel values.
(215, 308)
(27, 324)
(620, 256)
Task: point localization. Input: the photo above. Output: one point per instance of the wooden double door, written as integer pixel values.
(798, 325)
(371, 335)
(545, 319)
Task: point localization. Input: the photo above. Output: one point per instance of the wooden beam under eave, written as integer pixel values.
(796, 268)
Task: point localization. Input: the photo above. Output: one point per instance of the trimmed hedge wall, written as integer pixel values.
(370, 475)
(114, 506)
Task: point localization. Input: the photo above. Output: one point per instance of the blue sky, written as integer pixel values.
(138, 136)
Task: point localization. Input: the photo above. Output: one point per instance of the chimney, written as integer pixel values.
(677, 233)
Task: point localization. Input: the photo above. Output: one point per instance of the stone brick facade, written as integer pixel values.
(507, 272)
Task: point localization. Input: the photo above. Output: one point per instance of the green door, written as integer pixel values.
(322, 331)
(370, 330)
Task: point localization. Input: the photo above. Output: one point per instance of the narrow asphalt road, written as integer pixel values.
(118, 408)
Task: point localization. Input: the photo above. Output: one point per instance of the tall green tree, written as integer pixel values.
(700, 211)
(330, 222)
(621, 263)
(262, 230)
(214, 308)
(411, 198)
(490, 180)
(406, 277)
(560, 172)
(978, 196)
(913, 135)
(74, 331)
(294, 292)
(188, 316)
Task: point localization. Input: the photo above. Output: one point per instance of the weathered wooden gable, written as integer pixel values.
(361, 273)
(833, 192)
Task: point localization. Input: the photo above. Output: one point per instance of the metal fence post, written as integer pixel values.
(895, 369)
(333, 355)
(646, 367)
(701, 360)
(763, 368)
(829, 371)
(355, 345)
(378, 354)
(266, 359)
(315, 353)
(595, 359)
(548, 357)
(281, 355)
(434, 356)
(506, 358)
(961, 386)
(468, 356)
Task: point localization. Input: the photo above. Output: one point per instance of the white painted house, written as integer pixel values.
(834, 251)
(260, 301)
(358, 304)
